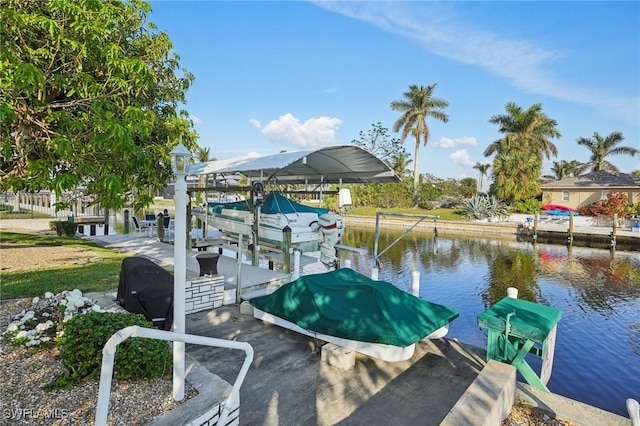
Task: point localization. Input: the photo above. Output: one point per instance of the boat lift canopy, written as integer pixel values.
(333, 164)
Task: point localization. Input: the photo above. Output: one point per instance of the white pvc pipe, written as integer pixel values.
(346, 263)
(179, 277)
(109, 352)
(374, 274)
(415, 283)
(512, 292)
(296, 264)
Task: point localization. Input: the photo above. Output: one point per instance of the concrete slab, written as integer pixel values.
(288, 384)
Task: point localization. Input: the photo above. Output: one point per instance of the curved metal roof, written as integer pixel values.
(333, 164)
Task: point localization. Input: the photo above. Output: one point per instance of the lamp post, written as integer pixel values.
(180, 157)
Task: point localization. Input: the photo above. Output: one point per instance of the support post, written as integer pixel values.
(179, 277)
(126, 221)
(286, 250)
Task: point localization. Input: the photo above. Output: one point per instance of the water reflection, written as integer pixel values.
(598, 292)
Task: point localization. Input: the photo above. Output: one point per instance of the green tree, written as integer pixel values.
(603, 147)
(418, 104)
(89, 97)
(379, 142)
(483, 169)
(519, 153)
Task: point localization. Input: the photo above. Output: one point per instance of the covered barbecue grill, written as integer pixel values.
(146, 288)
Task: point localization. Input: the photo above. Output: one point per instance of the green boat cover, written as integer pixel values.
(344, 303)
(273, 203)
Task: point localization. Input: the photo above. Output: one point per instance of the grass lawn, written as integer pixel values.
(445, 214)
(101, 275)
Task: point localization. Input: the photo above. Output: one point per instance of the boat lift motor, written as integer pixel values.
(331, 230)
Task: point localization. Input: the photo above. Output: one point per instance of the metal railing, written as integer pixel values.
(109, 352)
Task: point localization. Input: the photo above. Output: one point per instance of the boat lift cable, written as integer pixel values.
(376, 255)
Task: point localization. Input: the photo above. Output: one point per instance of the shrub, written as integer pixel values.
(530, 205)
(616, 202)
(65, 228)
(85, 336)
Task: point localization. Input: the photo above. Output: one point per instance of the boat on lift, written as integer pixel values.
(312, 228)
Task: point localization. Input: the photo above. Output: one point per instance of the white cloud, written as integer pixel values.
(328, 90)
(461, 157)
(446, 143)
(525, 63)
(313, 133)
(255, 123)
(195, 119)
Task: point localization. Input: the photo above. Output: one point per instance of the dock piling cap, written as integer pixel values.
(532, 320)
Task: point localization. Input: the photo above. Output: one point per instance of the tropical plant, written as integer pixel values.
(400, 163)
(201, 155)
(483, 169)
(603, 147)
(417, 104)
(484, 206)
(519, 153)
(515, 176)
(89, 96)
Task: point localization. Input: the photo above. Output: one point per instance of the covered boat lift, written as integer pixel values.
(340, 164)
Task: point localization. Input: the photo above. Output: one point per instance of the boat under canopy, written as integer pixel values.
(312, 229)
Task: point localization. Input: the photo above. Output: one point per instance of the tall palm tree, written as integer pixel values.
(519, 153)
(418, 104)
(604, 147)
(482, 169)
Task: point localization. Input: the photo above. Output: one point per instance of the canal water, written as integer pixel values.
(597, 353)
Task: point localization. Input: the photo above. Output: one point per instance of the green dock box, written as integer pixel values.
(517, 328)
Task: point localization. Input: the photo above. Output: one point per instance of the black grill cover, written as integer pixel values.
(146, 288)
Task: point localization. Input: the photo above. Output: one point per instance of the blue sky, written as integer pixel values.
(274, 76)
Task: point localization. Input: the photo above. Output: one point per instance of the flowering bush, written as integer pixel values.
(41, 322)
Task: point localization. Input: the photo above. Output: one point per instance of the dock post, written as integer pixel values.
(614, 231)
(570, 239)
(286, 250)
(415, 283)
(536, 218)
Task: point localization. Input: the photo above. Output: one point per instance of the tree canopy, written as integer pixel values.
(519, 152)
(90, 98)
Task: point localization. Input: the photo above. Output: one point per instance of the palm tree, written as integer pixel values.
(519, 153)
(527, 130)
(418, 104)
(576, 168)
(604, 147)
(560, 170)
(202, 154)
(482, 169)
(400, 163)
